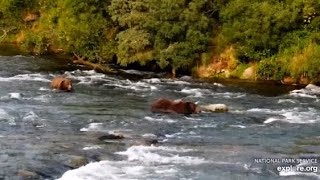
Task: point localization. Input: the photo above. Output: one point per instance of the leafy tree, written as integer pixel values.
(15, 7)
(11, 11)
(186, 38)
(257, 27)
(134, 39)
(81, 27)
(283, 34)
(171, 32)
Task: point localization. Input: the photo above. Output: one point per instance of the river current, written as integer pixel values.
(42, 130)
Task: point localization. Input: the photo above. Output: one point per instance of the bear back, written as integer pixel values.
(174, 106)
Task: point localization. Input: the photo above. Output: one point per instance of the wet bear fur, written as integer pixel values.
(163, 105)
(62, 83)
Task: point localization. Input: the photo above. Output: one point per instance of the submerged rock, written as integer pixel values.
(25, 174)
(15, 95)
(76, 161)
(186, 78)
(142, 142)
(128, 139)
(111, 137)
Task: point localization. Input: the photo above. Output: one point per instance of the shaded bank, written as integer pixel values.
(10, 49)
(64, 61)
(262, 87)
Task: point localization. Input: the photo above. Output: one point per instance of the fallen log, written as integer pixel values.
(98, 67)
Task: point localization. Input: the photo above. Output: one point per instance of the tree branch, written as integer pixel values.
(5, 32)
(98, 67)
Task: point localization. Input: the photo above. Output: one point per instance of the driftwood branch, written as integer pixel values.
(98, 67)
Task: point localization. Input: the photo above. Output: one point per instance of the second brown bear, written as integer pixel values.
(174, 106)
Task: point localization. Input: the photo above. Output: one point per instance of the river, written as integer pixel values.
(42, 131)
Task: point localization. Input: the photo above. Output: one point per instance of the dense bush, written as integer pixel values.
(282, 35)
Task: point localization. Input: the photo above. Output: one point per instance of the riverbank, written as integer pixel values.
(218, 75)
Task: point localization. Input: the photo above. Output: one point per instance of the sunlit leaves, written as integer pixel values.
(174, 32)
(258, 27)
(133, 46)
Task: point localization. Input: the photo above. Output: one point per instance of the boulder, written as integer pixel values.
(186, 78)
(15, 95)
(313, 88)
(310, 89)
(249, 73)
(214, 108)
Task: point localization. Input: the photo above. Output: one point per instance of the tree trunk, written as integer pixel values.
(173, 71)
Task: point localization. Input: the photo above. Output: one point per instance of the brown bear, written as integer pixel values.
(62, 83)
(174, 106)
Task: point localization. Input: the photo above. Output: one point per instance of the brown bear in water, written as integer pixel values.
(174, 106)
(61, 83)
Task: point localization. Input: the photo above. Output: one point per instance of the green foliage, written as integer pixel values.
(12, 11)
(34, 43)
(14, 7)
(257, 27)
(237, 73)
(302, 60)
(80, 27)
(132, 46)
(295, 39)
(278, 33)
(283, 35)
(171, 32)
(313, 64)
(270, 68)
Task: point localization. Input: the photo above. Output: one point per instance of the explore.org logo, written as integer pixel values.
(291, 164)
(292, 168)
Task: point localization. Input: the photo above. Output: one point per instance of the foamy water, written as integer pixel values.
(297, 117)
(309, 170)
(26, 77)
(42, 130)
(310, 91)
(160, 119)
(150, 155)
(142, 162)
(93, 127)
(5, 116)
(293, 115)
(158, 162)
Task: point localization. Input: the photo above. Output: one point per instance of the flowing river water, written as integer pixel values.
(43, 131)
